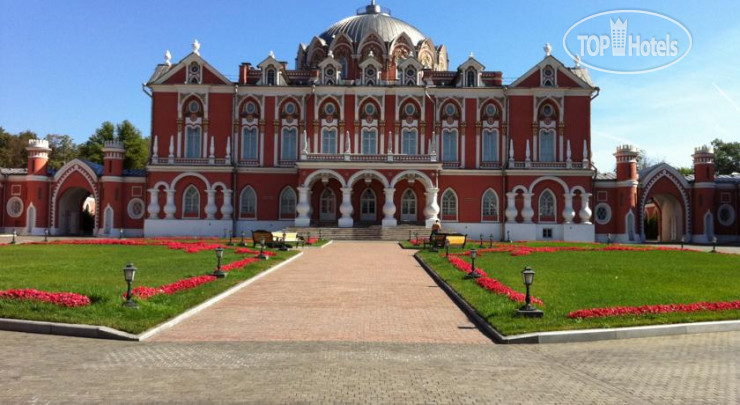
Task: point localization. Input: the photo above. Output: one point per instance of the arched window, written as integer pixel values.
(288, 144)
(248, 203)
(108, 220)
(408, 141)
(329, 140)
(490, 145)
(30, 219)
(287, 204)
(408, 205)
(191, 202)
(193, 141)
(547, 145)
(470, 78)
(369, 142)
(345, 69)
(271, 77)
(449, 205)
(547, 206)
(489, 206)
(249, 143)
(449, 145)
(368, 205)
(328, 205)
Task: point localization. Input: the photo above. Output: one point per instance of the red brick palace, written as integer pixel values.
(371, 126)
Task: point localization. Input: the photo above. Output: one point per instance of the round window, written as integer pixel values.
(490, 109)
(369, 109)
(547, 110)
(136, 208)
(370, 72)
(193, 107)
(450, 109)
(290, 108)
(330, 72)
(548, 71)
(250, 108)
(410, 109)
(195, 68)
(329, 109)
(15, 207)
(410, 72)
(726, 215)
(603, 213)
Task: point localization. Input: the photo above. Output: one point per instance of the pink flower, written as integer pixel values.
(654, 309)
(63, 299)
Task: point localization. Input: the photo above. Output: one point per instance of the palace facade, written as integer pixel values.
(371, 127)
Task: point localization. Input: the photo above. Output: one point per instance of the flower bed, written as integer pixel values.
(654, 309)
(249, 251)
(62, 299)
(521, 250)
(491, 284)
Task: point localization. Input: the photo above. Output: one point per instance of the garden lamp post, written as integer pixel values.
(474, 273)
(480, 243)
(683, 239)
(319, 233)
(283, 245)
(128, 274)
(608, 238)
(262, 250)
(231, 238)
(447, 247)
(15, 234)
(490, 240)
(409, 235)
(219, 255)
(508, 236)
(714, 244)
(242, 242)
(46, 235)
(120, 233)
(528, 310)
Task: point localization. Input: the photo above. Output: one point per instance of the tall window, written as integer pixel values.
(547, 206)
(490, 145)
(449, 145)
(345, 69)
(547, 145)
(288, 144)
(408, 141)
(367, 205)
(408, 206)
(369, 141)
(271, 77)
(470, 78)
(249, 143)
(489, 207)
(287, 204)
(329, 140)
(191, 202)
(192, 142)
(248, 203)
(449, 205)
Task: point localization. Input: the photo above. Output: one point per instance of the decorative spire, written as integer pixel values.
(472, 55)
(167, 58)
(196, 47)
(271, 54)
(547, 49)
(577, 60)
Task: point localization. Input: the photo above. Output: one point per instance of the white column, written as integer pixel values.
(346, 208)
(303, 207)
(432, 208)
(171, 156)
(585, 212)
(389, 208)
(153, 207)
(226, 208)
(155, 150)
(527, 211)
(511, 211)
(169, 207)
(211, 204)
(568, 213)
(211, 151)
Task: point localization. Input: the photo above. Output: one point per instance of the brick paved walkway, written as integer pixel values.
(347, 291)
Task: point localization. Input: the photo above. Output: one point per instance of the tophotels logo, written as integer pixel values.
(637, 41)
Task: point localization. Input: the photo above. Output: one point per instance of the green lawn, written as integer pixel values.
(568, 281)
(96, 271)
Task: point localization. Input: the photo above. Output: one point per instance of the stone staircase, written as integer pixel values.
(372, 232)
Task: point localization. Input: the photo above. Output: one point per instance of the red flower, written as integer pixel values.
(63, 299)
(654, 309)
(490, 284)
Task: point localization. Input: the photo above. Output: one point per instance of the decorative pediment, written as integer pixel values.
(196, 71)
(538, 75)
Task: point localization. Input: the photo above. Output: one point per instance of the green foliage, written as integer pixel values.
(685, 170)
(96, 271)
(92, 149)
(63, 149)
(13, 148)
(568, 281)
(726, 156)
(137, 147)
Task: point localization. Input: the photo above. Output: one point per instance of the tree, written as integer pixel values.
(5, 139)
(685, 170)
(726, 156)
(644, 160)
(63, 149)
(137, 147)
(92, 150)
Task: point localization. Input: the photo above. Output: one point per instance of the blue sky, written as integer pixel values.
(70, 65)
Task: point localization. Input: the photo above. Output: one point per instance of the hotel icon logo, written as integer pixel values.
(618, 36)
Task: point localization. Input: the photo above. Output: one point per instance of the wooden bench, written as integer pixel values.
(260, 234)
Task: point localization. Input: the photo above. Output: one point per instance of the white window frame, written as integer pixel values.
(414, 136)
(450, 138)
(325, 141)
(554, 207)
(287, 192)
(250, 131)
(608, 210)
(198, 145)
(541, 147)
(289, 148)
(187, 202)
(490, 144)
(365, 132)
(247, 193)
(444, 205)
(487, 193)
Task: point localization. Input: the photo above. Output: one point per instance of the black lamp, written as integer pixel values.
(262, 254)
(128, 274)
(231, 238)
(528, 310)
(480, 243)
(490, 240)
(447, 247)
(46, 235)
(474, 273)
(219, 255)
(714, 244)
